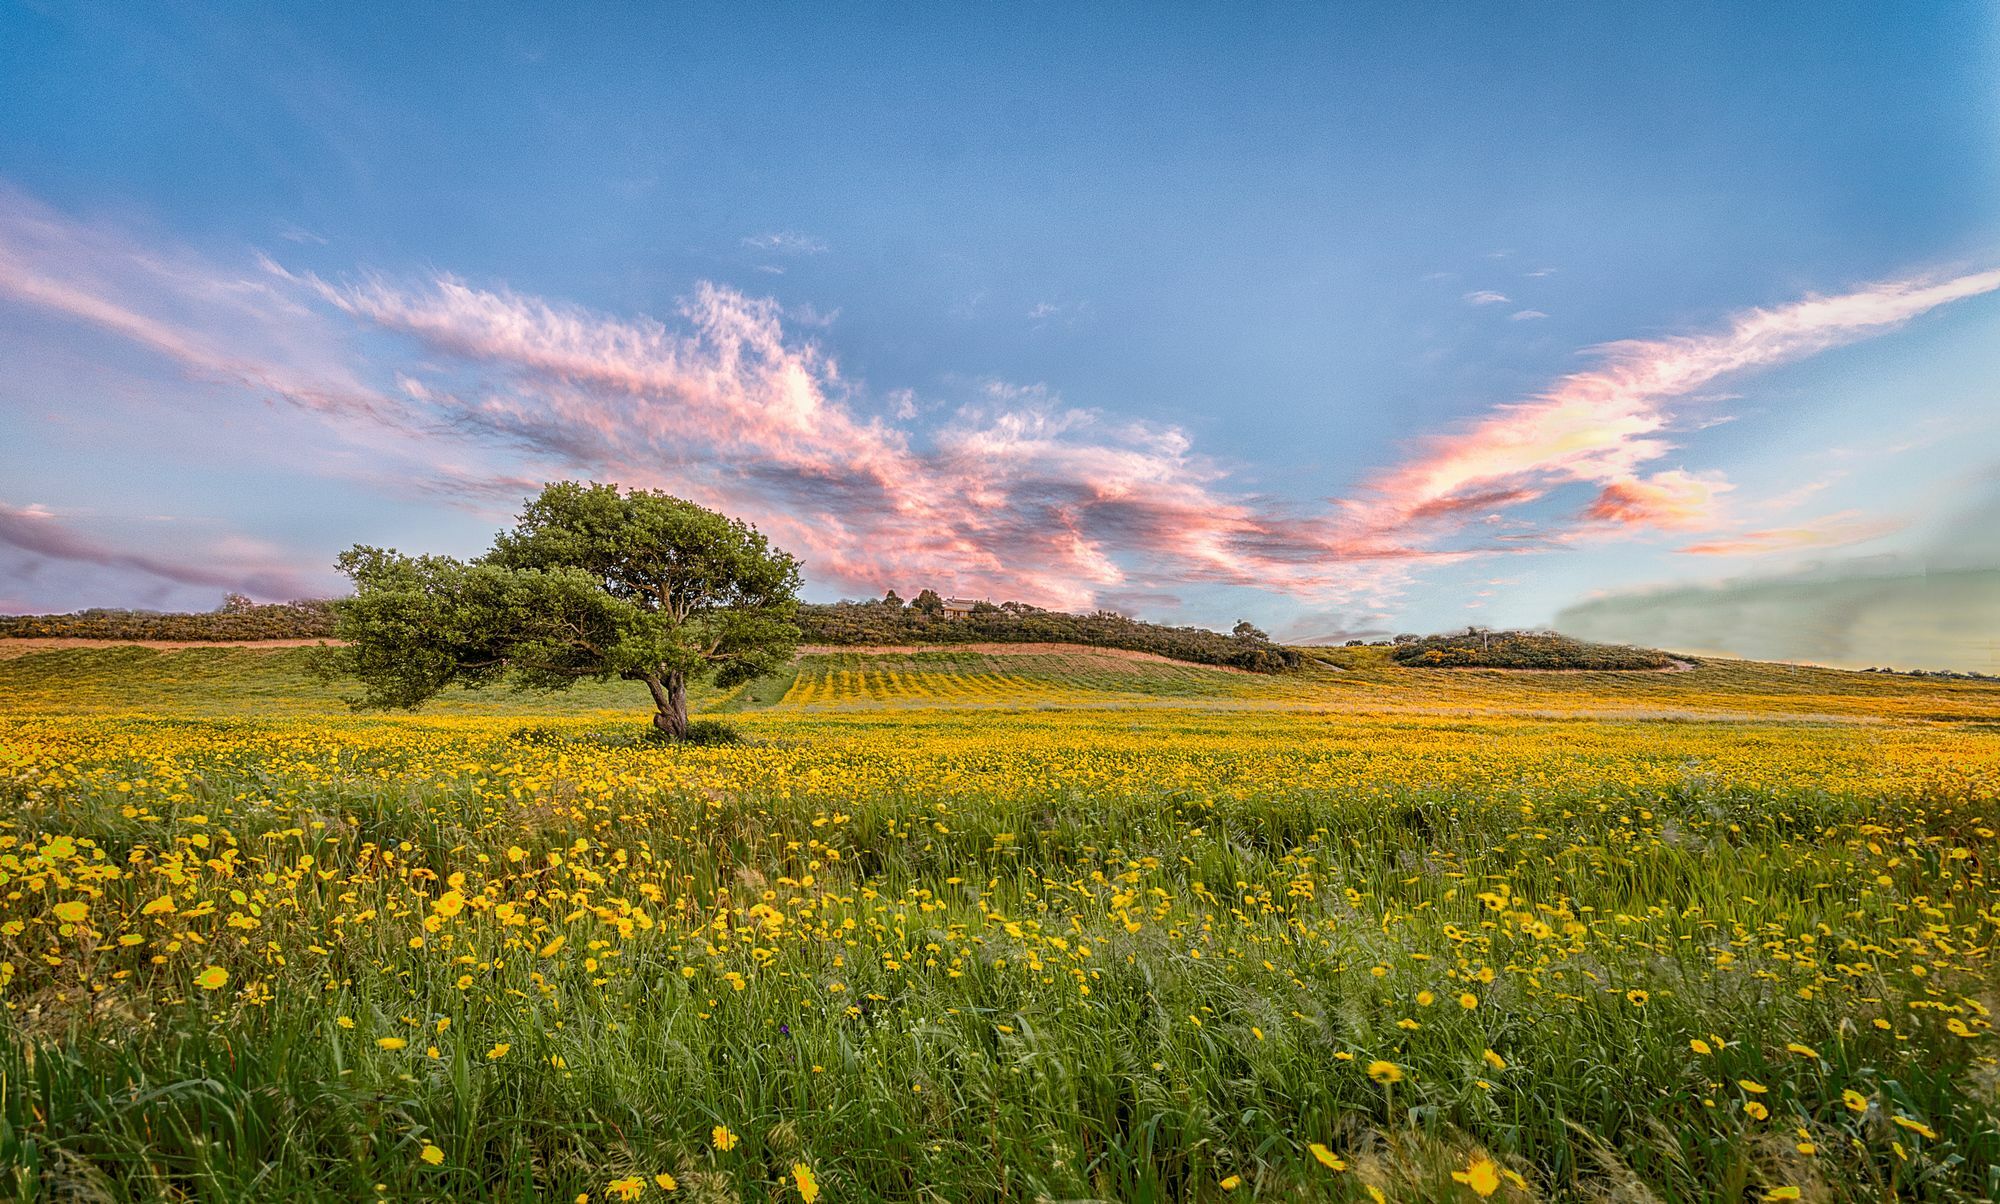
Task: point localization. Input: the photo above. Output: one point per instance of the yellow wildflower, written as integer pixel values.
(1481, 1175)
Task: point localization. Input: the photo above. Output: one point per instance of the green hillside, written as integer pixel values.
(214, 681)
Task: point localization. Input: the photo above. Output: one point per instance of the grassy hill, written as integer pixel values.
(279, 681)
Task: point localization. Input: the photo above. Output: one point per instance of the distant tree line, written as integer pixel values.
(887, 621)
(1478, 648)
(238, 618)
(890, 620)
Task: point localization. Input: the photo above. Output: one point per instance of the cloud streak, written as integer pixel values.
(1830, 531)
(787, 242)
(1602, 426)
(235, 564)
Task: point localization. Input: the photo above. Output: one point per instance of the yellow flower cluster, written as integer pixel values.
(948, 913)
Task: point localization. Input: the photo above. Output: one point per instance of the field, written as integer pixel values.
(962, 927)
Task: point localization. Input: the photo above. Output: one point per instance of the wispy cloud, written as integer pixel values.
(1602, 426)
(241, 329)
(1059, 313)
(1526, 315)
(231, 564)
(1024, 496)
(1485, 297)
(1830, 531)
(787, 242)
(1671, 501)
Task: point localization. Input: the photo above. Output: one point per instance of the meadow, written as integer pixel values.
(951, 926)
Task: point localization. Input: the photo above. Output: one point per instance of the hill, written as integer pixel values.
(241, 679)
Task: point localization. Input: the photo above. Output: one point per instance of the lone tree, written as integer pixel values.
(592, 584)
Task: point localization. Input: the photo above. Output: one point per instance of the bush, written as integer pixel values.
(708, 733)
(1474, 649)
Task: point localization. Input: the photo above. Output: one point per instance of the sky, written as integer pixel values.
(1344, 319)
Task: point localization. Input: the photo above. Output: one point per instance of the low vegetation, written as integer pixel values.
(923, 622)
(1479, 649)
(843, 623)
(238, 618)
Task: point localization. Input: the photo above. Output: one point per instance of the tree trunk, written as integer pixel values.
(671, 702)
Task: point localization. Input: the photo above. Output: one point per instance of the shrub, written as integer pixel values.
(1475, 649)
(711, 733)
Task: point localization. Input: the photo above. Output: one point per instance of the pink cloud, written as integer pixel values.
(1830, 531)
(1602, 425)
(235, 329)
(1674, 501)
(233, 563)
(1027, 498)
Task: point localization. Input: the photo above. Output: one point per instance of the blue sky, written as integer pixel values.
(1197, 312)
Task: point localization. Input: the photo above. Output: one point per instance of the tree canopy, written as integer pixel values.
(591, 584)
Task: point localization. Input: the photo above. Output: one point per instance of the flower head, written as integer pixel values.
(1481, 1175)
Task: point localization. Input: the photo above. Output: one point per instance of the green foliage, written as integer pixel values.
(234, 620)
(712, 733)
(864, 623)
(1475, 649)
(592, 585)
